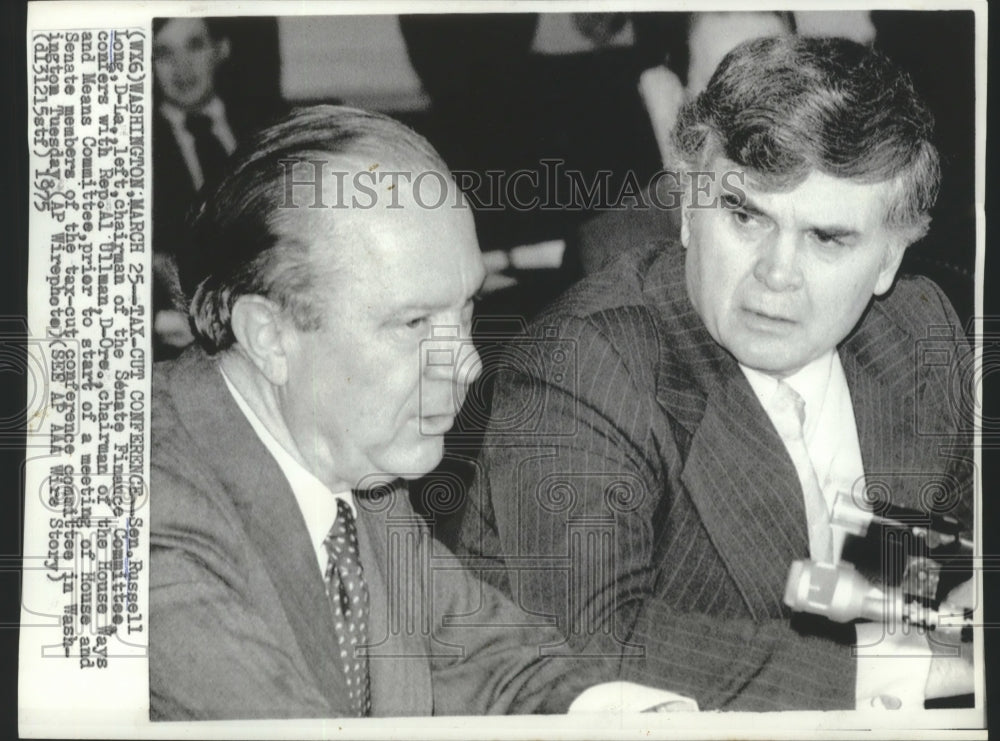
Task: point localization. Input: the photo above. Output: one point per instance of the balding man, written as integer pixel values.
(290, 576)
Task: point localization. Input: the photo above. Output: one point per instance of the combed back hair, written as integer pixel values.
(786, 106)
(242, 242)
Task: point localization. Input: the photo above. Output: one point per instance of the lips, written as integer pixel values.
(767, 320)
(769, 315)
(187, 84)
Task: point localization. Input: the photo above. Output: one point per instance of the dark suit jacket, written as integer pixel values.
(634, 487)
(602, 237)
(240, 626)
(173, 194)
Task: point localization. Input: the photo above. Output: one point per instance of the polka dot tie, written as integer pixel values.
(348, 593)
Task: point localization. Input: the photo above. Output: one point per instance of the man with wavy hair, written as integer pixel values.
(726, 389)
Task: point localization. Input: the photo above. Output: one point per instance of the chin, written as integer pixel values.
(190, 100)
(416, 460)
(765, 362)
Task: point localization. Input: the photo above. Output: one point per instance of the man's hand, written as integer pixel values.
(951, 671)
(629, 697)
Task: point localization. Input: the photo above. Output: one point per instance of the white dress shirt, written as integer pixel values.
(892, 669)
(317, 503)
(830, 431)
(319, 508)
(215, 109)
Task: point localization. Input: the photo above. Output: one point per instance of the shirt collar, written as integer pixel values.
(810, 382)
(215, 109)
(317, 503)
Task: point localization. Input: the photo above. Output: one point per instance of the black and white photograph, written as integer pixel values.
(615, 370)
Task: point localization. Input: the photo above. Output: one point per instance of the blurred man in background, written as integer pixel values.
(194, 132)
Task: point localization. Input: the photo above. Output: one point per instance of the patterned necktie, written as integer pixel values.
(348, 593)
(788, 415)
(211, 154)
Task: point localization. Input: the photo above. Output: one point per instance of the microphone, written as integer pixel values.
(940, 532)
(840, 593)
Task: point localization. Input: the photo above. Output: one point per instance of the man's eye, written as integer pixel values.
(744, 218)
(829, 240)
(417, 322)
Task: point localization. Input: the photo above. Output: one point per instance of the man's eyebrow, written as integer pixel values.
(746, 204)
(419, 306)
(426, 306)
(741, 202)
(834, 231)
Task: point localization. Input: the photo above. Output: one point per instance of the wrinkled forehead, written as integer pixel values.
(730, 174)
(815, 200)
(384, 222)
(365, 181)
(875, 196)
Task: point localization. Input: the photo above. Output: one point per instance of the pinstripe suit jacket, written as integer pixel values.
(632, 485)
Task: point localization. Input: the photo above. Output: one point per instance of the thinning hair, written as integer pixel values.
(786, 106)
(244, 242)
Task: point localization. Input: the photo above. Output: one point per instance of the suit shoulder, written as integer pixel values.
(619, 284)
(624, 297)
(919, 307)
(190, 512)
(623, 309)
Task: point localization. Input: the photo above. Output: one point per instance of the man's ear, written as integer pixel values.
(222, 50)
(258, 328)
(685, 223)
(891, 260)
(686, 213)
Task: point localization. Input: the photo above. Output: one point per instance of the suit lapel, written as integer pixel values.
(171, 170)
(397, 658)
(737, 471)
(271, 517)
(879, 364)
(745, 487)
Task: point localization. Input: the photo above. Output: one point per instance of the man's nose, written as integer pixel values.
(470, 366)
(777, 264)
(186, 63)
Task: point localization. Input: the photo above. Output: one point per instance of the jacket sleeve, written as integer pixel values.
(503, 660)
(572, 478)
(212, 654)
